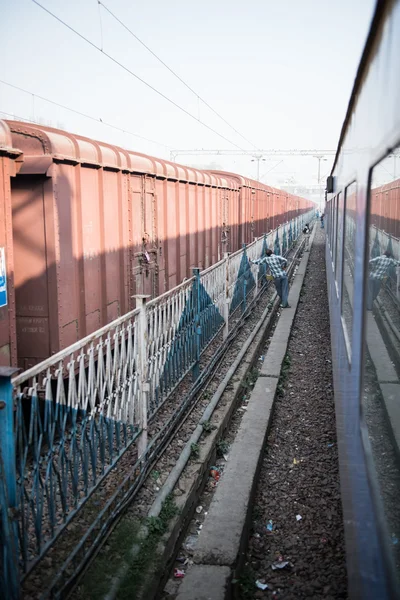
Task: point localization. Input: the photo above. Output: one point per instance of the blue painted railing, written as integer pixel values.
(78, 412)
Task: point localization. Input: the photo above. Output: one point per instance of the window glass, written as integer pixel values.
(339, 237)
(381, 393)
(348, 261)
(334, 228)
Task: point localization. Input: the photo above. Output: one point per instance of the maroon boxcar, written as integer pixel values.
(94, 224)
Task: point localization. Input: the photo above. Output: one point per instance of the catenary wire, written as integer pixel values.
(125, 68)
(78, 112)
(175, 74)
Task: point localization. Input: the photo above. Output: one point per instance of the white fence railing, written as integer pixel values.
(79, 410)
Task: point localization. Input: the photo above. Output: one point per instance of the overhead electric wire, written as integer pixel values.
(125, 68)
(78, 112)
(175, 74)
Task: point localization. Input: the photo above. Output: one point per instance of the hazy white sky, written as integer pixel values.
(280, 72)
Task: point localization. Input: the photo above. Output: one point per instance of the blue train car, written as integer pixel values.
(363, 267)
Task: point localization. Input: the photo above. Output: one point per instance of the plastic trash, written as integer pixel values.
(280, 564)
(298, 517)
(270, 525)
(215, 473)
(178, 574)
(330, 445)
(395, 539)
(190, 543)
(261, 586)
(295, 461)
(199, 509)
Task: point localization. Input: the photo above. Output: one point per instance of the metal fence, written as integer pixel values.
(77, 412)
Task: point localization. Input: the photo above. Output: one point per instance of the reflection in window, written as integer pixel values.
(381, 397)
(339, 236)
(348, 261)
(334, 226)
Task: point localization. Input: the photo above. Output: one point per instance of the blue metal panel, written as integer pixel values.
(3, 278)
(244, 283)
(9, 571)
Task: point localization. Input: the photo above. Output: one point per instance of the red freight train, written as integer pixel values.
(88, 225)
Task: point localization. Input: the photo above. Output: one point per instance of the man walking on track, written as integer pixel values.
(276, 265)
(306, 232)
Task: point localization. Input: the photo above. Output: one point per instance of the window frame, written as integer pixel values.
(348, 335)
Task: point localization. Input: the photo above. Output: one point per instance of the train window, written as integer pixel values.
(381, 384)
(349, 230)
(334, 228)
(339, 236)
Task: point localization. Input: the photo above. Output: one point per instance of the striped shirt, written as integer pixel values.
(380, 266)
(274, 264)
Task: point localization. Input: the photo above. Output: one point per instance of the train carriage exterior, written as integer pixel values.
(88, 225)
(363, 267)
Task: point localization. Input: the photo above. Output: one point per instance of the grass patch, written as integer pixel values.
(222, 448)
(246, 583)
(250, 380)
(96, 583)
(208, 427)
(280, 389)
(194, 451)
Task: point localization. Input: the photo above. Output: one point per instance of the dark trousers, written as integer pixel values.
(282, 288)
(374, 286)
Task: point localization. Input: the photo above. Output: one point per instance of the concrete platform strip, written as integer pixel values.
(222, 540)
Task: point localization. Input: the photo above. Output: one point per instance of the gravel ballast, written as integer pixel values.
(297, 515)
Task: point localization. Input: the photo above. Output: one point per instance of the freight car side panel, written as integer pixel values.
(70, 276)
(160, 244)
(135, 198)
(92, 249)
(208, 233)
(214, 222)
(233, 222)
(181, 218)
(192, 224)
(201, 227)
(113, 244)
(171, 193)
(30, 269)
(149, 235)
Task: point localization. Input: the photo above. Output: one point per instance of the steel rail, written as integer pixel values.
(78, 561)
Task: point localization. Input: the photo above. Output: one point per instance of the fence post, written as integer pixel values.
(8, 484)
(144, 387)
(197, 326)
(256, 282)
(226, 299)
(244, 283)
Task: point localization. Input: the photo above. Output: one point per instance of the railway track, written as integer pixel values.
(70, 556)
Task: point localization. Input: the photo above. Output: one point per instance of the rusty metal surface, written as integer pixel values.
(95, 224)
(8, 342)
